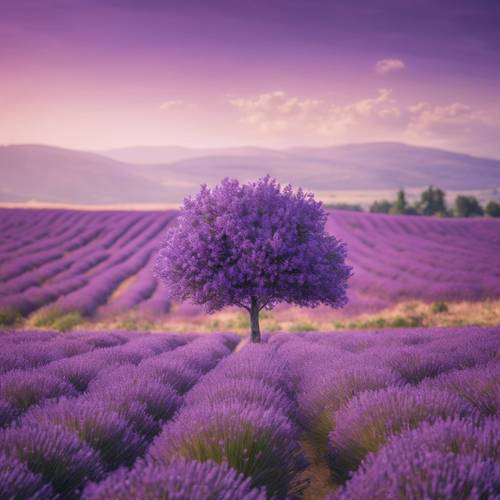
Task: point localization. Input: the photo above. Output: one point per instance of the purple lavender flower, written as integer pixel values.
(169, 370)
(23, 389)
(460, 436)
(416, 364)
(430, 475)
(93, 423)
(7, 413)
(123, 386)
(137, 416)
(257, 362)
(25, 355)
(78, 371)
(204, 353)
(454, 459)
(17, 481)
(478, 386)
(101, 339)
(181, 480)
(260, 443)
(215, 391)
(326, 391)
(367, 422)
(54, 453)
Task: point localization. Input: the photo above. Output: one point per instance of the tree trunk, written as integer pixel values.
(254, 320)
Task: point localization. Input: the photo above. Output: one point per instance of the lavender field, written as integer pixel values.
(99, 264)
(249, 250)
(349, 415)
(381, 414)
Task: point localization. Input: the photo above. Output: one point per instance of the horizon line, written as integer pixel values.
(248, 146)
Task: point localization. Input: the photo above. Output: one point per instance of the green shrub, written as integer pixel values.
(367, 323)
(9, 317)
(133, 323)
(354, 207)
(46, 317)
(214, 325)
(272, 326)
(67, 321)
(243, 321)
(302, 326)
(57, 319)
(406, 322)
(439, 307)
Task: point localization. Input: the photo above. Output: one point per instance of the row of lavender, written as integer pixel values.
(242, 414)
(409, 257)
(77, 260)
(74, 261)
(74, 419)
(401, 415)
(412, 415)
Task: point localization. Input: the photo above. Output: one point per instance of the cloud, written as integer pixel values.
(453, 125)
(378, 117)
(172, 104)
(385, 66)
(275, 111)
(443, 118)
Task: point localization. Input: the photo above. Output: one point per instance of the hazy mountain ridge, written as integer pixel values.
(50, 174)
(150, 155)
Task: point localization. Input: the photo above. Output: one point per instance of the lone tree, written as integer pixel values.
(253, 245)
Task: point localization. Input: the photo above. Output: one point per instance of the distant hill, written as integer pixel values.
(150, 155)
(50, 174)
(350, 167)
(167, 174)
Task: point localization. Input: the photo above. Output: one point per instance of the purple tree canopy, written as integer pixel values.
(253, 245)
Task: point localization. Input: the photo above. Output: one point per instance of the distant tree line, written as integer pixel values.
(432, 202)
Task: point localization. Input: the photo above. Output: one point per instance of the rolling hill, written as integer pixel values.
(166, 175)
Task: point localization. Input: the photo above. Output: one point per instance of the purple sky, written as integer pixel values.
(109, 73)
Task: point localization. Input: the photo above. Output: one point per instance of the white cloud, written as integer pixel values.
(172, 104)
(389, 65)
(275, 111)
(379, 117)
(278, 112)
(453, 125)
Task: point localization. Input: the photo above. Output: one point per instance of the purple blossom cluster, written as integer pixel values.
(235, 244)
(18, 481)
(180, 480)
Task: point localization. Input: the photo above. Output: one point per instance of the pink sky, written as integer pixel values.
(104, 74)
